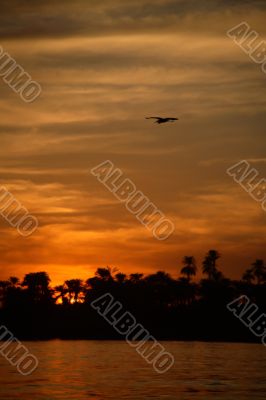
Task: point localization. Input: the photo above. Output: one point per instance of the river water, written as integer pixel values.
(99, 370)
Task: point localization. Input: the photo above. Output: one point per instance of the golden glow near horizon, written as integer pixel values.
(103, 68)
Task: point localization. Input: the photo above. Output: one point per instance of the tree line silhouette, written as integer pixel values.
(171, 309)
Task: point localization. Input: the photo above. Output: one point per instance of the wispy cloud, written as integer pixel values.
(105, 66)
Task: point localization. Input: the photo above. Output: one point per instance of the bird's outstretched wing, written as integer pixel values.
(161, 120)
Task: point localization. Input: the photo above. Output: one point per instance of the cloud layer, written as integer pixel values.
(103, 67)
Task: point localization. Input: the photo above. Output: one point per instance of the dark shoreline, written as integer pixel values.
(123, 341)
(168, 309)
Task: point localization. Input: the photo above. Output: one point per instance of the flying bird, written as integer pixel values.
(161, 120)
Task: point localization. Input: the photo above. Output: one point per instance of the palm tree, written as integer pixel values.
(61, 291)
(190, 268)
(104, 274)
(4, 286)
(185, 292)
(120, 278)
(37, 284)
(259, 271)
(14, 281)
(209, 265)
(159, 277)
(74, 288)
(135, 278)
(248, 276)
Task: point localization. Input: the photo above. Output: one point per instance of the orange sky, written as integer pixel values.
(105, 66)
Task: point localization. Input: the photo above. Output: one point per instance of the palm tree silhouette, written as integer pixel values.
(37, 284)
(4, 285)
(74, 288)
(61, 292)
(171, 307)
(209, 265)
(259, 271)
(104, 274)
(190, 268)
(14, 281)
(248, 276)
(120, 278)
(135, 278)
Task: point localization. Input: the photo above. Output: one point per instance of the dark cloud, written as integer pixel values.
(25, 19)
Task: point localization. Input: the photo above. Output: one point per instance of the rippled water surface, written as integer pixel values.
(112, 370)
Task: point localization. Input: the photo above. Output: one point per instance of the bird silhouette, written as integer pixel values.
(161, 120)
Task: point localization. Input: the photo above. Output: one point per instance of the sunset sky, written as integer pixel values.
(104, 66)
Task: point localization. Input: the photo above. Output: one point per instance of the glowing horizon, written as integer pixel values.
(103, 68)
